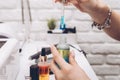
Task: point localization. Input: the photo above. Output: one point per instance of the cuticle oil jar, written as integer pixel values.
(43, 66)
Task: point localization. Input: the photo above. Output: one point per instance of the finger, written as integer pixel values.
(72, 59)
(66, 2)
(57, 1)
(54, 68)
(74, 2)
(58, 58)
(81, 1)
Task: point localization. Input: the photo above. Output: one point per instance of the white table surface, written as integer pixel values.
(35, 46)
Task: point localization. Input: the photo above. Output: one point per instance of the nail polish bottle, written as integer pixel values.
(63, 48)
(43, 66)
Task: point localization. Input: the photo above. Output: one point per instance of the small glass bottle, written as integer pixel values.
(43, 66)
(64, 48)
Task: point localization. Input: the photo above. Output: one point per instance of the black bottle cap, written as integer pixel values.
(43, 52)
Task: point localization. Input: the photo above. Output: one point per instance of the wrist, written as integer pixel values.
(100, 13)
(106, 24)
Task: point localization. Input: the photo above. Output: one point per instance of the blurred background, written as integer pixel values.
(103, 52)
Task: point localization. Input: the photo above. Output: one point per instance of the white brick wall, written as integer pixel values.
(103, 51)
(112, 78)
(107, 69)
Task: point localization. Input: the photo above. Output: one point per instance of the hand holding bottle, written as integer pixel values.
(67, 71)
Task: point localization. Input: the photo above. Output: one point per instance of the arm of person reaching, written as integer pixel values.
(98, 11)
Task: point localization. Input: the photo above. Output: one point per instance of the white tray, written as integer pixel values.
(30, 49)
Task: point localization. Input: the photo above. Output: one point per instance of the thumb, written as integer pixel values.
(72, 58)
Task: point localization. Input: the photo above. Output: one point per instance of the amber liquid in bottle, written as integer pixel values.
(43, 72)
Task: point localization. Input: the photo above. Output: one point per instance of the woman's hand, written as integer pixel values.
(67, 71)
(84, 5)
(97, 9)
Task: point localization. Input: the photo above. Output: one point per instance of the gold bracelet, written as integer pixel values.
(106, 23)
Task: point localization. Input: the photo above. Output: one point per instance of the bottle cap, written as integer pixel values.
(43, 52)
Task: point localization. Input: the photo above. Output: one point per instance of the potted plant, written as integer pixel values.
(51, 24)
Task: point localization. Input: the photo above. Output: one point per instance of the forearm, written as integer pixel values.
(114, 30)
(100, 15)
